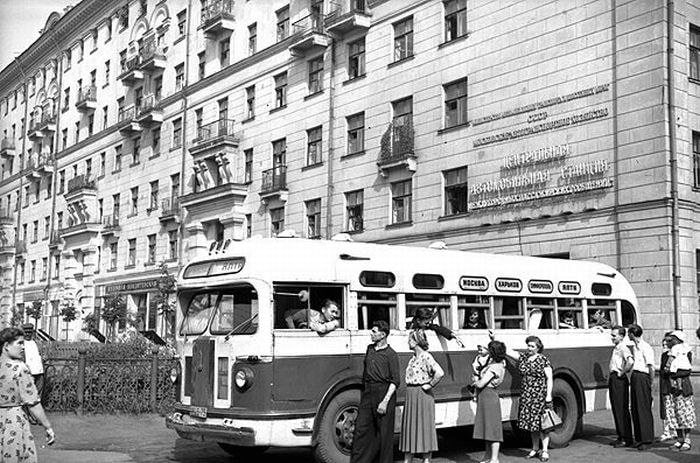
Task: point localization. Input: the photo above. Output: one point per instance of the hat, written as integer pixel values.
(28, 327)
(679, 334)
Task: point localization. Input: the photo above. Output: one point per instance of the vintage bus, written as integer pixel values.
(251, 379)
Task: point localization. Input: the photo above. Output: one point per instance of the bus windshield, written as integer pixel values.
(232, 310)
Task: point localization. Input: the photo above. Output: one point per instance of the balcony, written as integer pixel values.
(170, 210)
(217, 18)
(7, 147)
(43, 127)
(127, 122)
(308, 35)
(87, 99)
(39, 165)
(396, 151)
(274, 184)
(80, 231)
(6, 217)
(348, 16)
(110, 225)
(149, 113)
(152, 55)
(222, 195)
(80, 186)
(215, 136)
(131, 72)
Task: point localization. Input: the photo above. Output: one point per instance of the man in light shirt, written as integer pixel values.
(621, 362)
(32, 357)
(327, 319)
(640, 388)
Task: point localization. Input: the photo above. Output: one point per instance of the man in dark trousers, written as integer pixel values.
(640, 388)
(374, 425)
(621, 362)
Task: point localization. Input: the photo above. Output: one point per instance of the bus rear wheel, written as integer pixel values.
(335, 431)
(566, 406)
(241, 453)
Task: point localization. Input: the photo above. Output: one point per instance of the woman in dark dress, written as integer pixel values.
(535, 393)
(487, 422)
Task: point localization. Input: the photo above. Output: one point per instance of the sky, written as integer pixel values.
(20, 21)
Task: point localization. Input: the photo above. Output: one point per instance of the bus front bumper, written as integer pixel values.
(198, 430)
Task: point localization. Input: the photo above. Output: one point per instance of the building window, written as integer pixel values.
(113, 256)
(155, 141)
(179, 76)
(154, 195)
(250, 102)
(252, 38)
(59, 220)
(356, 61)
(202, 65)
(403, 39)
(401, 201)
(172, 244)
(696, 159)
(103, 164)
(314, 146)
(104, 117)
(66, 98)
(115, 207)
(68, 59)
(248, 173)
(77, 131)
(354, 205)
(283, 23)
(456, 103)
(151, 249)
(35, 235)
(47, 226)
(100, 209)
(21, 273)
(456, 191)
(91, 124)
(158, 85)
(313, 218)
(281, 90)
(279, 152)
(182, 22)
(134, 200)
(694, 52)
(44, 267)
(61, 181)
(131, 260)
(224, 52)
(276, 221)
(88, 168)
(316, 75)
(356, 133)
(118, 158)
(177, 132)
(198, 120)
(32, 271)
(248, 225)
(136, 144)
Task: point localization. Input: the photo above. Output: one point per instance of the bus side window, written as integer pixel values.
(508, 312)
(376, 306)
(628, 313)
(291, 304)
(473, 312)
(570, 313)
(540, 312)
(440, 304)
(602, 313)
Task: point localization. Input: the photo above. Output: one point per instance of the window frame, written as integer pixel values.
(403, 39)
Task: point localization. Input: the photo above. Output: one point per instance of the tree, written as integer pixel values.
(68, 312)
(114, 311)
(166, 307)
(17, 317)
(35, 311)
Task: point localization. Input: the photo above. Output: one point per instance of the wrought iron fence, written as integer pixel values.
(149, 103)
(81, 182)
(309, 24)
(219, 128)
(397, 142)
(213, 10)
(126, 114)
(274, 179)
(94, 385)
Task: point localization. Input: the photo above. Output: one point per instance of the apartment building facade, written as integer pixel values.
(139, 132)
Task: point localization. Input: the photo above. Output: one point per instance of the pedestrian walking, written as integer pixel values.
(680, 409)
(32, 357)
(487, 422)
(535, 393)
(621, 362)
(665, 389)
(374, 425)
(17, 389)
(418, 432)
(640, 388)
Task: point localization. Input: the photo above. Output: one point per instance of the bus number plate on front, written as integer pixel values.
(198, 412)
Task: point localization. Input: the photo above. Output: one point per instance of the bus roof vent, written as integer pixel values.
(287, 233)
(438, 245)
(218, 246)
(341, 237)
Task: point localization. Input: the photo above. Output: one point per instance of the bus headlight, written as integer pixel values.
(243, 379)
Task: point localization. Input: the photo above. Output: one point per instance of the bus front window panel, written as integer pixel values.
(198, 313)
(236, 312)
(440, 304)
(570, 313)
(508, 313)
(628, 313)
(540, 312)
(473, 312)
(376, 306)
(601, 313)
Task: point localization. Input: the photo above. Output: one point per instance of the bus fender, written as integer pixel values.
(572, 378)
(348, 382)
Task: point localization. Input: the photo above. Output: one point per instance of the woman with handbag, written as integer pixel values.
(487, 422)
(535, 394)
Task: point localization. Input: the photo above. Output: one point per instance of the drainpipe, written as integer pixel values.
(331, 118)
(673, 163)
(616, 160)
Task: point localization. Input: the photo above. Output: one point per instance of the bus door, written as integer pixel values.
(307, 363)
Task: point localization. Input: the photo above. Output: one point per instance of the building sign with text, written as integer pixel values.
(132, 286)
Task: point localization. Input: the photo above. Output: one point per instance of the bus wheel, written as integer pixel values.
(335, 431)
(564, 402)
(241, 453)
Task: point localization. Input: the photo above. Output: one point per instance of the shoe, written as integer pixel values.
(676, 446)
(533, 454)
(620, 443)
(643, 447)
(544, 456)
(664, 437)
(684, 447)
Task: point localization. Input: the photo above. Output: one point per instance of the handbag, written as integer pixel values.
(549, 420)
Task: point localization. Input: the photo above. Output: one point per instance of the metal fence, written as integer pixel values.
(93, 385)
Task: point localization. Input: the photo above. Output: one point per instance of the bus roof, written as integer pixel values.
(328, 261)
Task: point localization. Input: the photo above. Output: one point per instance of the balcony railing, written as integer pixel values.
(87, 98)
(126, 119)
(47, 122)
(274, 179)
(130, 72)
(216, 10)
(308, 24)
(7, 147)
(81, 182)
(6, 217)
(152, 54)
(110, 224)
(126, 114)
(308, 34)
(397, 142)
(213, 130)
(347, 15)
(169, 209)
(131, 64)
(55, 239)
(149, 103)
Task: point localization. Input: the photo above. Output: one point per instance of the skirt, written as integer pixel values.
(418, 434)
(16, 440)
(680, 411)
(487, 422)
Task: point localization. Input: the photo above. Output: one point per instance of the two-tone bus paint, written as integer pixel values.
(250, 381)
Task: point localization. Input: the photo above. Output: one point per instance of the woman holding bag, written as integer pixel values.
(535, 393)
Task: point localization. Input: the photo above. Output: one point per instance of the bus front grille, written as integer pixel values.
(202, 371)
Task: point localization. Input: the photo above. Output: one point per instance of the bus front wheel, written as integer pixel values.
(241, 453)
(335, 431)
(565, 405)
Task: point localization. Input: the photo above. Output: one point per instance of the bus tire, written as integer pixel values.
(241, 453)
(336, 428)
(566, 406)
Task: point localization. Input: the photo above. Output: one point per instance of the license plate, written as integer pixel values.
(198, 412)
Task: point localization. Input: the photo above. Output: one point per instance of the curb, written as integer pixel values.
(46, 455)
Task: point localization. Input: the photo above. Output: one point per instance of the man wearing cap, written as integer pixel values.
(640, 388)
(32, 357)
